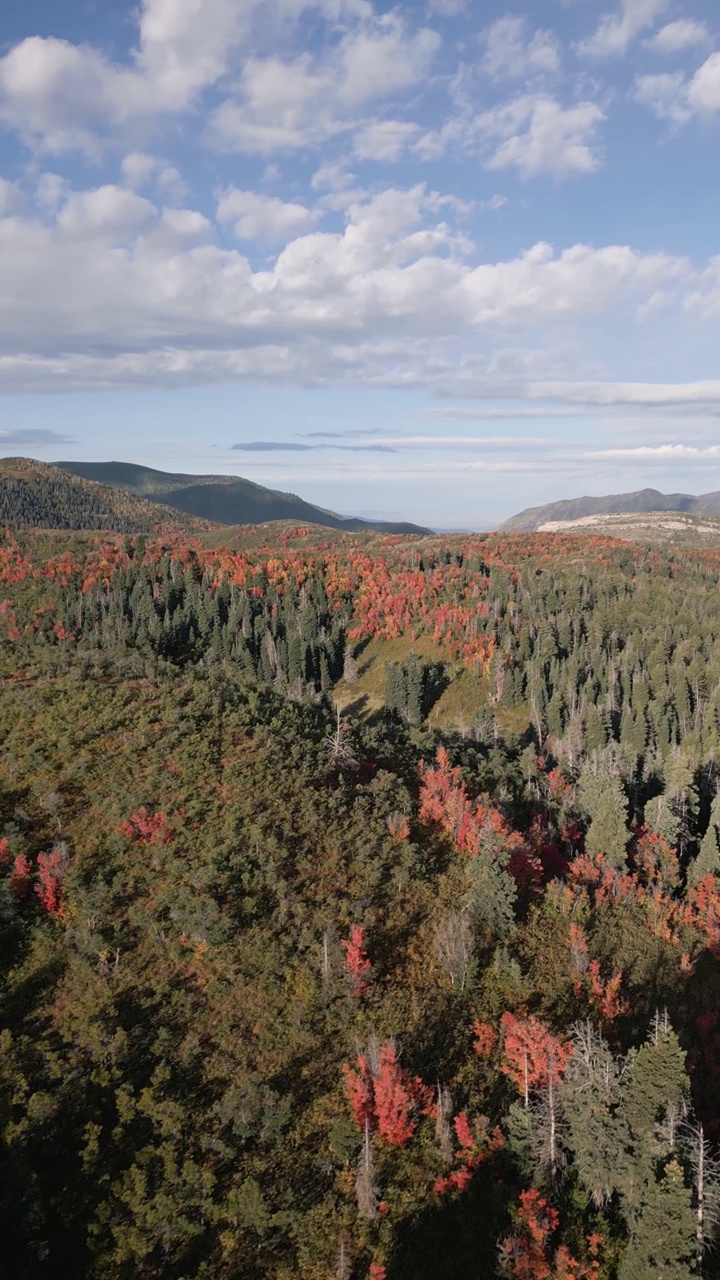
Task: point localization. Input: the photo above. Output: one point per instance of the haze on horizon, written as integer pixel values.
(408, 261)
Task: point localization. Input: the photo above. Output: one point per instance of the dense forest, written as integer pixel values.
(38, 495)
(360, 907)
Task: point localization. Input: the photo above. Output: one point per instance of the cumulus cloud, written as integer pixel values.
(617, 31)
(538, 135)
(513, 52)
(666, 96)
(109, 212)
(384, 140)
(292, 103)
(260, 217)
(448, 8)
(676, 36)
(10, 197)
(50, 191)
(62, 96)
(65, 97)
(674, 97)
(116, 291)
(704, 88)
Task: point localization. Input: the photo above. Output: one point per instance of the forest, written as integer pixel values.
(360, 907)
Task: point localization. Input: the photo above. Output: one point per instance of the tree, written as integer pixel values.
(532, 1055)
(608, 833)
(356, 961)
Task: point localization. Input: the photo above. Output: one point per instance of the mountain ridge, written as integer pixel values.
(39, 495)
(640, 501)
(227, 500)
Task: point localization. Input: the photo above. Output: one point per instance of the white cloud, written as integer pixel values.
(384, 58)
(63, 97)
(112, 213)
(289, 104)
(261, 217)
(185, 45)
(10, 198)
(648, 394)
(57, 93)
(494, 203)
(448, 8)
(51, 190)
(665, 95)
(673, 97)
(662, 453)
(538, 135)
(704, 88)
(384, 140)
(332, 177)
(138, 168)
(115, 293)
(580, 279)
(684, 33)
(511, 52)
(616, 31)
(179, 227)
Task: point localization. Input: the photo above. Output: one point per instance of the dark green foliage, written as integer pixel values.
(413, 687)
(225, 499)
(37, 495)
(175, 1029)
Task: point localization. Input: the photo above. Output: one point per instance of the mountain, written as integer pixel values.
(643, 500)
(38, 495)
(224, 499)
(670, 528)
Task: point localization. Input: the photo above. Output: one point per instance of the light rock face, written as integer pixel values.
(677, 528)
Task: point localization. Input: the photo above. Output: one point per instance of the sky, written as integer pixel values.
(436, 261)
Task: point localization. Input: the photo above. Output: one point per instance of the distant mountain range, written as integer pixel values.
(644, 500)
(39, 495)
(226, 500)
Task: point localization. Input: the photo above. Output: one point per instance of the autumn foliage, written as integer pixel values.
(356, 960)
(384, 1096)
(144, 827)
(532, 1055)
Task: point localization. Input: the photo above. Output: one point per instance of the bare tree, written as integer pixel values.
(344, 1265)
(454, 947)
(325, 964)
(337, 746)
(443, 1132)
(350, 667)
(365, 1189)
(705, 1166)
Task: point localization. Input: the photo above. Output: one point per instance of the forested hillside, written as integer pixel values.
(309, 973)
(226, 499)
(37, 495)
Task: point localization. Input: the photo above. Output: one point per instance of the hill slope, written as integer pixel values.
(224, 499)
(669, 528)
(643, 500)
(38, 495)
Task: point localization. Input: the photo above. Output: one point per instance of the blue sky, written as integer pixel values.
(438, 261)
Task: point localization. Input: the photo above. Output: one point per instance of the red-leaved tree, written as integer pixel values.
(384, 1097)
(21, 877)
(533, 1056)
(51, 877)
(356, 961)
(144, 827)
(476, 1143)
